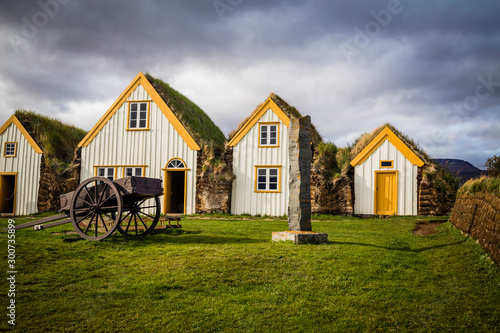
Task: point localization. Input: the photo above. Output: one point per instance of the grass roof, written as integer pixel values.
(193, 118)
(289, 110)
(364, 139)
(57, 140)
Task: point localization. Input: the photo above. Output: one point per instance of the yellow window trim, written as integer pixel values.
(147, 116)
(5, 149)
(257, 167)
(96, 167)
(387, 134)
(277, 135)
(20, 127)
(254, 118)
(140, 79)
(386, 167)
(15, 187)
(143, 167)
(395, 191)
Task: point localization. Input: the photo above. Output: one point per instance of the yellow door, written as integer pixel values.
(386, 193)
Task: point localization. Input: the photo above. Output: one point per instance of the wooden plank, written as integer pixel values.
(44, 220)
(53, 224)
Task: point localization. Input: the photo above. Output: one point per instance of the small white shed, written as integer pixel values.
(386, 177)
(20, 161)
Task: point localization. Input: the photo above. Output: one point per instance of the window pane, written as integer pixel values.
(261, 187)
(261, 179)
(133, 115)
(143, 115)
(133, 123)
(273, 179)
(128, 172)
(133, 107)
(273, 134)
(144, 107)
(262, 172)
(142, 124)
(273, 128)
(100, 172)
(273, 187)
(273, 172)
(272, 141)
(138, 172)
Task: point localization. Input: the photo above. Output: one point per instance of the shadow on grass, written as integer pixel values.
(405, 248)
(175, 236)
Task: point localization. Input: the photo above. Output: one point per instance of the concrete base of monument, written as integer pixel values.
(300, 237)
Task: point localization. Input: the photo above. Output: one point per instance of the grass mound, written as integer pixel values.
(481, 185)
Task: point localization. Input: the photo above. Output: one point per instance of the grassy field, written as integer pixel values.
(223, 274)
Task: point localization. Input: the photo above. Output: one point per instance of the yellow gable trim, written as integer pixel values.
(140, 79)
(269, 104)
(387, 134)
(20, 127)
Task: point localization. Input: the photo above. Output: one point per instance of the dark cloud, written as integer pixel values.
(351, 65)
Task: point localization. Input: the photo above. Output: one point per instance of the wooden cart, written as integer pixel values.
(100, 206)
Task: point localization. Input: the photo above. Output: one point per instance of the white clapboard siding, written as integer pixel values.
(364, 180)
(115, 146)
(246, 155)
(27, 165)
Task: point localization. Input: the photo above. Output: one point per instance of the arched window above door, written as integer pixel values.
(176, 163)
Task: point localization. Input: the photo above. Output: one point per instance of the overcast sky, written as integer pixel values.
(431, 68)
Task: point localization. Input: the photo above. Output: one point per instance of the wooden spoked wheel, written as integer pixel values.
(96, 208)
(139, 217)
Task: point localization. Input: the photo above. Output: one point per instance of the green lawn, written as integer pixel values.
(225, 275)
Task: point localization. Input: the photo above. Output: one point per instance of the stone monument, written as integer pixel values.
(299, 203)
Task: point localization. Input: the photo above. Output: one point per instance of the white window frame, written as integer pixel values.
(267, 179)
(134, 171)
(107, 172)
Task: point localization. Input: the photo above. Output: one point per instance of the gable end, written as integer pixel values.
(387, 134)
(140, 79)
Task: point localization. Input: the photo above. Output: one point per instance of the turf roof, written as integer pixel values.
(289, 110)
(56, 139)
(364, 139)
(193, 118)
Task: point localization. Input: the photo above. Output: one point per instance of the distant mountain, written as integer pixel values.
(461, 169)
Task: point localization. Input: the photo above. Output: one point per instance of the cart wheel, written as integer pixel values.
(137, 220)
(96, 208)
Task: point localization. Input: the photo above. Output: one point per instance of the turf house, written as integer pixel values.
(260, 159)
(36, 163)
(393, 176)
(152, 130)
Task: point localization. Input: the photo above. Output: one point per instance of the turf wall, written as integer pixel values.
(479, 216)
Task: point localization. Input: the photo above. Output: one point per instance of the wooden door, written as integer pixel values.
(386, 193)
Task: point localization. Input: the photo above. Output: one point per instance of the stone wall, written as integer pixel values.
(54, 182)
(479, 216)
(214, 183)
(432, 201)
(333, 196)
